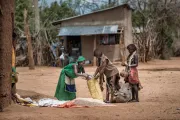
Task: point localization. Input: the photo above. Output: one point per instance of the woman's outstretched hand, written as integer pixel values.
(85, 75)
(96, 77)
(88, 77)
(123, 64)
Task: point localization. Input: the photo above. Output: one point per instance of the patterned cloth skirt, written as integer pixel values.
(133, 76)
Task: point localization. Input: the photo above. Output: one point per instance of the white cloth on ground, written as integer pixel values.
(47, 102)
(90, 102)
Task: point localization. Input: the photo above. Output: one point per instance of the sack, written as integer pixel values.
(94, 89)
(124, 94)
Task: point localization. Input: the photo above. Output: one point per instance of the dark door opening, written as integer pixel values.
(74, 46)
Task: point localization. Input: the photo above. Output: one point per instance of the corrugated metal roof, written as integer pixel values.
(87, 30)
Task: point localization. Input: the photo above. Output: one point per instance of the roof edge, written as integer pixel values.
(66, 19)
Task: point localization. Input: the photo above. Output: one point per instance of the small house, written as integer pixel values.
(109, 30)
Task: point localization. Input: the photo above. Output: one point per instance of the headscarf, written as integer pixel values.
(81, 59)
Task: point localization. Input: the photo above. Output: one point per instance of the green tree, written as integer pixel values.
(157, 25)
(55, 12)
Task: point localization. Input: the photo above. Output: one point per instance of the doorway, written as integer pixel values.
(74, 45)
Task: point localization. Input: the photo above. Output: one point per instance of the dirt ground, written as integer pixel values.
(159, 99)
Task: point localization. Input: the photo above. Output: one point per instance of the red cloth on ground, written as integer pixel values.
(71, 104)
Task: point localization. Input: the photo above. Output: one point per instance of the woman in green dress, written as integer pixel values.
(66, 89)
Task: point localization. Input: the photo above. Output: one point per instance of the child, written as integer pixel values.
(110, 71)
(131, 69)
(13, 85)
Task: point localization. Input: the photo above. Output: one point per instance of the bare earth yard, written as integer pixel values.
(159, 99)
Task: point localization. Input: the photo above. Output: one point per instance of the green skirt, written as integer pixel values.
(61, 93)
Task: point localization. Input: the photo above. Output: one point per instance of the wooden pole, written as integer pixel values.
(28, 36)
(94, 60)
(122, 47)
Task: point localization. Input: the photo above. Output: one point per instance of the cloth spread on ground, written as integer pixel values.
(25, 101)
(89, 102)
(71, 104)
(83, 102)
(47, 102)
(76, 103)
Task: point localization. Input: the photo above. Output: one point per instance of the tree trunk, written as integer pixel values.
(28, 37)
(122, 47)
(6, 13)
(37, 19)
(38, 38)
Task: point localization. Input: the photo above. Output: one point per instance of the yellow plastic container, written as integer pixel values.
(13, 58)
(94, 89)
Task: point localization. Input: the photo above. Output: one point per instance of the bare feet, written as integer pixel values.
(134, 100)
(140, 87)
(106, 101)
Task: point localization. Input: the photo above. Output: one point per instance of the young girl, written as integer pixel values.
(131, 69)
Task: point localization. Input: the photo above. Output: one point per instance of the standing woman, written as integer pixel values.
(66, 89)
(131, 69)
